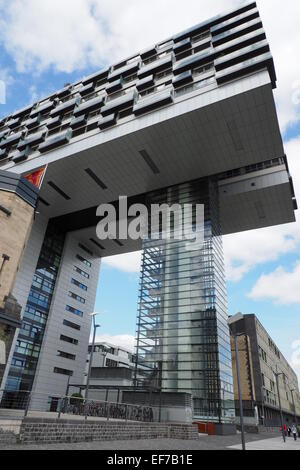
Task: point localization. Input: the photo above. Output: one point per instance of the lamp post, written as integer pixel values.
(90, 362)
(238, 373)
(294, 406)
(277, 374)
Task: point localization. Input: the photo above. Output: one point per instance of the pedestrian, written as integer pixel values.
(294, 431)
(289, 431)
(298, 429)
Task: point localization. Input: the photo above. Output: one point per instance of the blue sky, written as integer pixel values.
(44, 45)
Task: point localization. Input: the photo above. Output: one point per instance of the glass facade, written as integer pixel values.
(27, 350)
(183, 342)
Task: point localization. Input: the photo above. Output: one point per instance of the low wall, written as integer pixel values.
(34, 430)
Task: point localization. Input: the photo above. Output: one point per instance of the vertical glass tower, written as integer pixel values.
(183, 342)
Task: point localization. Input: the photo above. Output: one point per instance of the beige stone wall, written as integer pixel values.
(246, 368)
(14, 233)
(270, 362)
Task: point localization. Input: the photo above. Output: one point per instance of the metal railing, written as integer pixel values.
(23, 403)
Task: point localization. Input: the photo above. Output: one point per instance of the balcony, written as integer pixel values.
(11, 140)
(153, 102)
(77, 122)
(65, 107)
(106, 122)
(54, 142)
(156, 66)
(33, 139)
(125, 71)
(90, 105)
(44, 108)
(118, 104)
(193, 61)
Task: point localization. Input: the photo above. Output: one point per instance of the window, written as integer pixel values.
(74, 310)
(111, 363)
(66, 355)
(79, 284)
(84, 248)
(83, 260)
(67, 339)
(58, 370)
(76, 297)
(82, 273)
(71, 325)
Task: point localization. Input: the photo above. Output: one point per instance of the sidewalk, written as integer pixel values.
(271, 444)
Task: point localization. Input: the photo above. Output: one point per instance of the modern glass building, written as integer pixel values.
(191, 119)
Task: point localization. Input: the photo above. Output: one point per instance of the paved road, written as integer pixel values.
(261, 441)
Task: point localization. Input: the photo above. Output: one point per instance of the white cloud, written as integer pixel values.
(280, 286)
(74, 34)
(123, 341)
(129, 262)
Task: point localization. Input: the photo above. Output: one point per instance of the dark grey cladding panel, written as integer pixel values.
(182, 46)
(55, 122)
(96, 76)
(43, 108)
(19, 185)
(149, 52)
(22, 112)
(56, 141)
(12, 123)
(21, 156)
(126, 71)
(205, 25)
(156, 66)
(235, 21)
(32, 140)
(242, 54)
(12, 139)
(193, 61)
(125, 101)
(237, 31)
(85, 90)
(107, 121)
(240, 42)
(90, 105)
(65, 107)
(145, 83)
(246, 67)
(153, 102)
(78, 122)
(33, 122)
(182, 79)
(3, 153)
(114, 86)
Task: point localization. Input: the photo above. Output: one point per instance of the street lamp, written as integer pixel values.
(238, 375)
(93, 315)
(277, 374)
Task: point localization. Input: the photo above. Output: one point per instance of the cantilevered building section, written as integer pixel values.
(190, 117)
